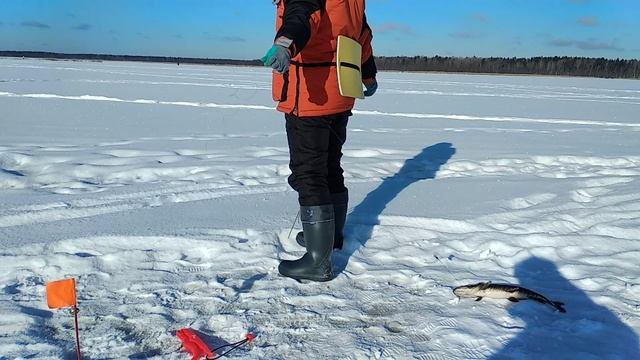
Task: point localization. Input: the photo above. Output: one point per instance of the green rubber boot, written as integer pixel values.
(318, 223)
(340, 205)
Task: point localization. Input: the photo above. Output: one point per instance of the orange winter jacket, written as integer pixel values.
(310, 86)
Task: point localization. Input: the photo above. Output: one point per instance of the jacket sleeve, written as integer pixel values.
(369, 69)
(301, 19)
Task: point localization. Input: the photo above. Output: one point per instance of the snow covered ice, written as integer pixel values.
(162, 189)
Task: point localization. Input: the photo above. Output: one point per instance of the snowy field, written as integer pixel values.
(162, 189)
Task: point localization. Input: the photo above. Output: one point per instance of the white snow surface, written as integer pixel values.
(163, 190)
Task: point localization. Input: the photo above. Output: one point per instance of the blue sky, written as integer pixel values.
(243, 29)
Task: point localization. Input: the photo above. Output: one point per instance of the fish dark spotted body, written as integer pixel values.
(510, 292)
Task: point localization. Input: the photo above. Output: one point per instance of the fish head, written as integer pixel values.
(469, 290)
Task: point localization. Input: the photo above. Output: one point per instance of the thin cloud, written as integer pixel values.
(589, 44)
(35, 24)
(144, 36)
(481, 18)
(232, 39)
(465, 35)
(82, 27)
(392, 27)
(518, 41)
(588, 21)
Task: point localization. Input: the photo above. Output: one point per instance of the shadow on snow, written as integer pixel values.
(586, 331)
(364, 216)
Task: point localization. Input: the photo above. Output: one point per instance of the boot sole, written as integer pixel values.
(306, 280)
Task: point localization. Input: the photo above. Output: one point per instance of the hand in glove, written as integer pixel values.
(279, 56)
(371, 86)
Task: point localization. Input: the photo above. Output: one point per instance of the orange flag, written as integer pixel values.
(61, 293)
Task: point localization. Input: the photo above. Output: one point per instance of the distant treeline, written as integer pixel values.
(564, 66)
(106, 57)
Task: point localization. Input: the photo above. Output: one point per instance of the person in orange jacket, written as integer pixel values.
(305, 85)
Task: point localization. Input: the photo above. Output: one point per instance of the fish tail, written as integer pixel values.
(559, 306)
(541, 299)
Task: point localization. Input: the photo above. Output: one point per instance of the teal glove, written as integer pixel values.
(278, 57)
(371, 87)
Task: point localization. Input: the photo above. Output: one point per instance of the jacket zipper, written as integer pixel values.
(295, 106)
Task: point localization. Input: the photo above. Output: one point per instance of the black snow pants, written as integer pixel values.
(315, 150)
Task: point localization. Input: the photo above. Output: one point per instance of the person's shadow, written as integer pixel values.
(586, 331)
(364, 216)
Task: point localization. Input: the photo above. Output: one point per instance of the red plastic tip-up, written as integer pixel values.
(250, 337)
(194, 345)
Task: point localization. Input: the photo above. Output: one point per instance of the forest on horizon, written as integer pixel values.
(542, 65)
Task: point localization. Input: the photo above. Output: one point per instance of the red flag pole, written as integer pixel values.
(75, 311)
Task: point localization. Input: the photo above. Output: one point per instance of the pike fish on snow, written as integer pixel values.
(510, 292)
